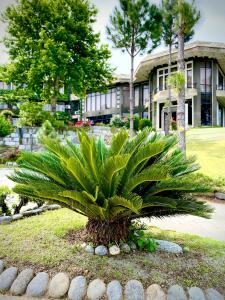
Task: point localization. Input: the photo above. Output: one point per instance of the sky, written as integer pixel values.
(210, 28)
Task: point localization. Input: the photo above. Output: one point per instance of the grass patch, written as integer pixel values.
(39, 242)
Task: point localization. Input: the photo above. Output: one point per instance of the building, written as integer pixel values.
(204, 89)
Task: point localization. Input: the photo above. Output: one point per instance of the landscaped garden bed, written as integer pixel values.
(41, 242)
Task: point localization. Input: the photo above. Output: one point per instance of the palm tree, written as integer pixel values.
(141, 177)
(134, 26)
(186, 18)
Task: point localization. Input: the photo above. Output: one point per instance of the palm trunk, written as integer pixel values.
(168, 115)
(132, 96)
(106, 232)
(181, 95)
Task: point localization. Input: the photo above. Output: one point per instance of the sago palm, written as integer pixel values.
(141, 177)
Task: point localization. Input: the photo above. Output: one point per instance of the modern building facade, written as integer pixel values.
(204, 89)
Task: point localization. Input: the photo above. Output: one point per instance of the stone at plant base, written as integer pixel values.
(89, 249)
(5, 220)
(125, 248)
(20, 284)
(212, 294)
(17, 217)
(114, 250)
(96, 289)
(168, 247)
(59, 285)
(220, 196)
(78, 288)
(53, 206)
(114, 290)
(83, 245)
(2, 266)
(7, 277)
(28, 213)
(155, 292)
(37, 211)
(134, 290)
(101, 250)
(133, 246)
(38, 286)
(176, 292)
(196, 293)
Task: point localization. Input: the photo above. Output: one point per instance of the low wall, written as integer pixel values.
(25, 138)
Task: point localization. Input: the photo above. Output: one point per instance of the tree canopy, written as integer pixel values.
(52, 45)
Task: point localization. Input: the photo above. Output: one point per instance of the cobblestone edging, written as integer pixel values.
(38, 285)
(27, 213)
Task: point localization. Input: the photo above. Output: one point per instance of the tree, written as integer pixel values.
(134, 26)
(187, 16)
(52, 45)
(133, 178)
(47, 130)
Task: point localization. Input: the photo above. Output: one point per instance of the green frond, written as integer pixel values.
(118, 142)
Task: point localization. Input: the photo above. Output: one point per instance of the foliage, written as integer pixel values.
(52, 45)
(214, 184)
(174, 125)
(5, 127)
(176, 81)
(63, 116)
(32, 114)
(137, 236)
(134, 26)
(136, 178)
(8, 114)
(144, 123)
(4, 191)
(47, 130)
(117, 121)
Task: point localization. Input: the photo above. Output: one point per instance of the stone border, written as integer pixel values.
(27, 213)
(39, 285)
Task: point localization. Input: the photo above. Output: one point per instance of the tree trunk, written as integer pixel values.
(181, 95)
(105, 232)
(168, 115)
(53, 103)
(132, 97)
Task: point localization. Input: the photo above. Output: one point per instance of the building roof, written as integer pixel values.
(121, 78)
(194, 49)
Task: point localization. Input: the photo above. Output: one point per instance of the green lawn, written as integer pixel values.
(208, 145)
(40, 242)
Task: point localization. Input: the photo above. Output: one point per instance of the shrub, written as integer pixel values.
(47, 130)
(133, 178)
(4, 191)
(5, 127)
(8, 114)
(144, 123)
(117, 121)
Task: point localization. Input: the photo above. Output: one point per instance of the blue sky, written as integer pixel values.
(210, 28)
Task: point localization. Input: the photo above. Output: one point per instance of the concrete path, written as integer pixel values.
(4, 179)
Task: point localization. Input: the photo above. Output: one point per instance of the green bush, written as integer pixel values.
(144, 123)
(4, 191)
(214, 184)
(117, 121)
(47, 130)
(131, 179)
(5, 127)
(8, 114)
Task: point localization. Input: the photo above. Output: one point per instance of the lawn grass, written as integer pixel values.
(208, 145)
(40, 242)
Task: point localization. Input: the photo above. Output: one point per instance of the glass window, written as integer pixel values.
(114, 98)
(173, 69)
(89, 103)
(108, 99)
(220, 81)
(145, 94)
(160, 72)
(160, 83)
(98, 101)
(93, 102)
(136, 96)
(103, 104)
(189, 66)
(189, 78)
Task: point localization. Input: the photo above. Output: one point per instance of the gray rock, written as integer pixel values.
(17, 217)
(5, 220)
(28, 213)
(176, 292)
(59, 285)
(53, 206)
(155, 292)
(38, 286)
(89, 249)
(78, 288)
(101, 250)
(134, 290)
(96, 289)
(220, 196)
(196, 293)
(37, 211)
(7, 277)
(133, 246)
(20, 284)
(168, 247)
(2, 266)
(114, 290)
(44, 207)
(125, 248)
(212, 294)
(114, 250)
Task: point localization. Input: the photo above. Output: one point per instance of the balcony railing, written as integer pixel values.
(187, 86)
(220, 87)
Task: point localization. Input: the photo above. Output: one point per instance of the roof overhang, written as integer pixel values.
(195, 49)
